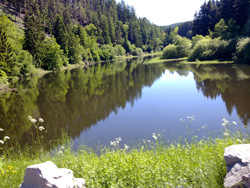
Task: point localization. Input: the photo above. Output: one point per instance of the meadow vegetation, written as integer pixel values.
(198, 163)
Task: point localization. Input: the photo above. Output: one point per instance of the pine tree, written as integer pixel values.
(61, 35)
(34, 36)
(7, 56)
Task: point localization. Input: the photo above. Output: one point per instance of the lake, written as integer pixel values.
(129, 99)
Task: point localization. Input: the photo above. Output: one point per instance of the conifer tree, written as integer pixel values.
(34, 36)
(7, 56)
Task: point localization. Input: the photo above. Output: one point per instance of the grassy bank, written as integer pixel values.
(198, 164)
(184, 61)
(159, 60)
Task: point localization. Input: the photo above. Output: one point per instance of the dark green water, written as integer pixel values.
(128, 99)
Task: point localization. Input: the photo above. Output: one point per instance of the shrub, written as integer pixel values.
(242, 54)
(119, 50)
(137, 52)
(170, 51)
(183, 46)
(211, 49)
(53, 57)
(108, 52)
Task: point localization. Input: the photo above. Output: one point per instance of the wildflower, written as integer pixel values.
(239, 141)
(1, 129)
(14, 171)
(154, 136)
(234, 123)
(6, 138)
(29, 118)
(225, 122)
(191, 118)
(113, 143)
(41, 128)
(10, 167)
(126, 146)
(33, 121)
(182, 120)
(148, 141)
(119, 139)
(226, 134)
(1, 141)
(40, 120)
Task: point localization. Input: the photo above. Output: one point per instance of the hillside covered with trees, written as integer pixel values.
(219, 31)
(49, 34)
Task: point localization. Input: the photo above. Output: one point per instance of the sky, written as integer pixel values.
(166, 12)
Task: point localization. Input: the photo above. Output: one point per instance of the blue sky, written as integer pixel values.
(166, 12)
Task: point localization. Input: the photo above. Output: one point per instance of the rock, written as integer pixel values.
(47, 175)
(237, 159)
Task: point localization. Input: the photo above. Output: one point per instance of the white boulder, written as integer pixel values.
(237, 159)
(47, 175)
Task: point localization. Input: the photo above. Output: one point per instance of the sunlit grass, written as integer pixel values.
(198, 163)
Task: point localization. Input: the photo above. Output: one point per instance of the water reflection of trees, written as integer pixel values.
(232, 83)
(74, 100)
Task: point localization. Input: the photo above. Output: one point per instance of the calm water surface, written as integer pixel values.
(131, 100)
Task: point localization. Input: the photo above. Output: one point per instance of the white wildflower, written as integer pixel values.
(191, 118)
(29, 118)
(239, 141)
(154, 136)
(6, 138)
(1, 141)
(148, 141)
(1, 129)
(225, 122)
(40, 120)
(226, 134)
(234, 123)
(33, 121)
(126, 146)
(41, 128)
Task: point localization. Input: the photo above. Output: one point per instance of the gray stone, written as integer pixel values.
(47, 175)
(237, 159)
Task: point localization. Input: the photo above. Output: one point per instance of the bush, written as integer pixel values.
(242, 54)
(53, 57)
(183, 45)
(169, 52)
(212, 49)
(137, 52)
(119, 50)
(108, 52)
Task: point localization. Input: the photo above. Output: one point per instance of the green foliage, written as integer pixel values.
(108, 52)
(183, 45)
(137, 52)
(180, 48)
(242, 54)
(7, 56)
(199, 164)
(75, 50)
(170, 52)
(23, 65)
(119, 50)
(211, 49)
(53, 57)
(61, 34)
(34, 36)
(220, 29)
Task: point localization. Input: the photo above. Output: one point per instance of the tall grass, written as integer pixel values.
(198, 164)
(151, 164)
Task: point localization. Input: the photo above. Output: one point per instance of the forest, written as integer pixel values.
(49, 34)
(219, 31)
